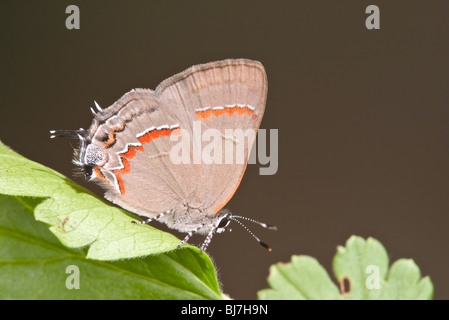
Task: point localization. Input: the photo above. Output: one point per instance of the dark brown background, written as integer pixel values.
(363, 116)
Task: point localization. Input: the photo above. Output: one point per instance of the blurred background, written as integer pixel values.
(363, 115)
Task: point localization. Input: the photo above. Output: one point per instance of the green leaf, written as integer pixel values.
(406, 283)
(361, 269)
(33, 265)
(85, 233)
(302, 279)
(356, 261)
(76, 217)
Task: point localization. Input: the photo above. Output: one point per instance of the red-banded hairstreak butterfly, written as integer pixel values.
(127, 147)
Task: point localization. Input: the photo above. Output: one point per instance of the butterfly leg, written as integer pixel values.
(160, 215)
(189, 234)
(208, 239)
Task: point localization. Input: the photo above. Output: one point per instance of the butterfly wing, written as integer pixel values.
(226, 96)
(129, 143)
(129, 149)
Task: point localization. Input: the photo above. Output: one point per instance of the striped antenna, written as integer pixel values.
(264, 225)
(263, 244)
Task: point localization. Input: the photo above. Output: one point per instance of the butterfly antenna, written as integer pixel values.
(263, 244)
(264, 225)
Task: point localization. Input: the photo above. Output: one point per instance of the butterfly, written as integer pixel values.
(133, 147)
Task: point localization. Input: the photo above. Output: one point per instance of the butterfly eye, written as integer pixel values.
(223, 224)
(88, 171)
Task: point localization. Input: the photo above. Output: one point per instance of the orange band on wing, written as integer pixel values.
(130, 152)
(147, 137)
(99, 174)
(126, 167)
(219, 111)
(121, 186)
(176, 131)
(203, 114)
(111, 139)
(111, 136)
